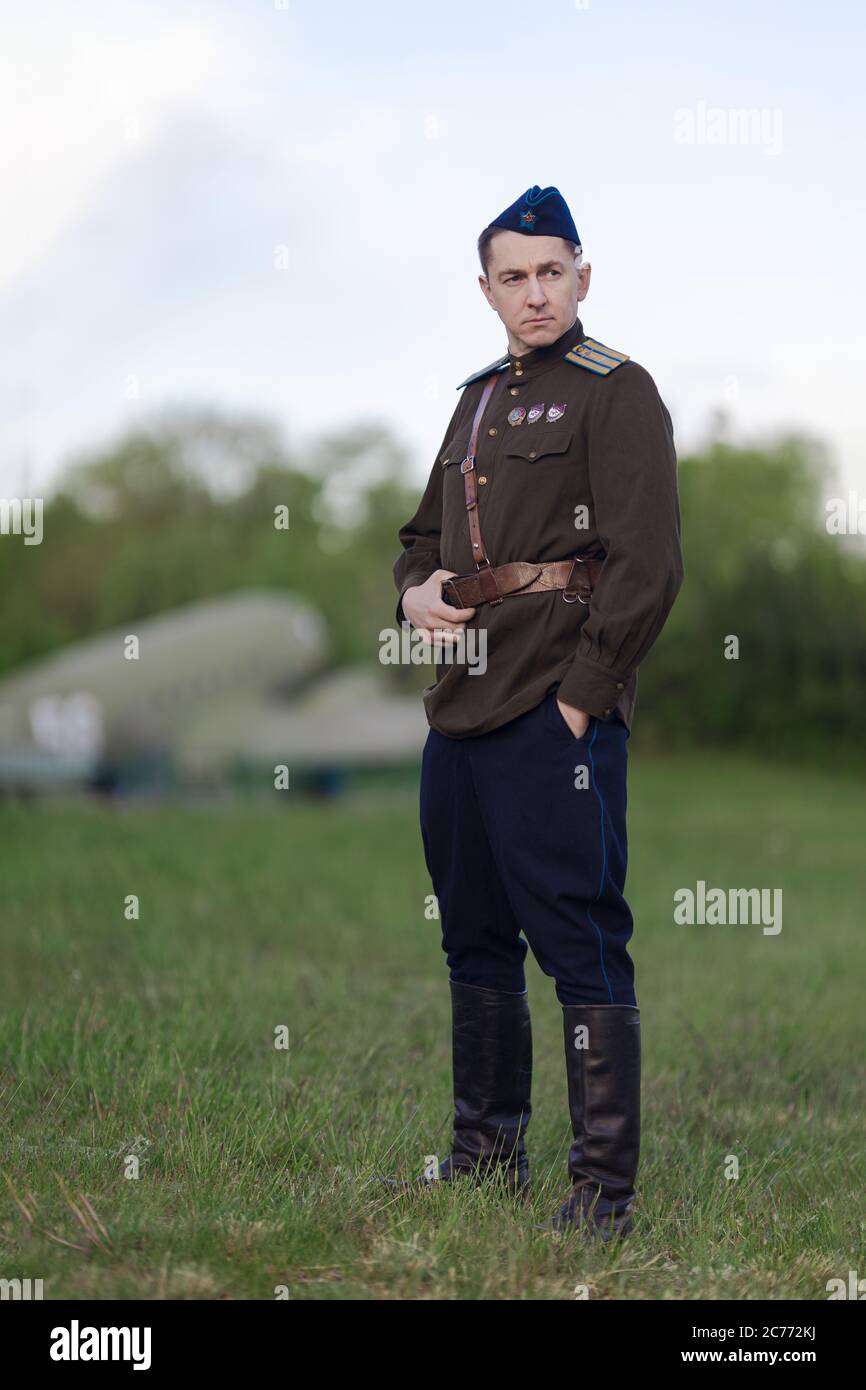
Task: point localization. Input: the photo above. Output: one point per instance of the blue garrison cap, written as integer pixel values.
(542, 211)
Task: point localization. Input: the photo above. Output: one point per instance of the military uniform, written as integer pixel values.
(523, 824)
(598, 479)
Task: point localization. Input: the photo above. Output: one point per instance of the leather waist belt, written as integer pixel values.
(576, 577)
(492, 583)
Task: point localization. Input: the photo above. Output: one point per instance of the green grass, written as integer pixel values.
(155, 1037)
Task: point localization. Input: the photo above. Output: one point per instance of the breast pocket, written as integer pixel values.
(455, 526)
(541, 469)
(455, 452)
(541, 449)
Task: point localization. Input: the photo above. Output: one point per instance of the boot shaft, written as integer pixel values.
(602, 1059)
(492, 1070)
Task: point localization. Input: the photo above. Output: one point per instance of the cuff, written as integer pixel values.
(419, 577)
(590, 687)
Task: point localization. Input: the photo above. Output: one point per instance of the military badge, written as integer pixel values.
(535, 413)
(517, 415)
(556, 411)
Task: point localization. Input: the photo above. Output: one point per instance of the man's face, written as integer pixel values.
(533, 285)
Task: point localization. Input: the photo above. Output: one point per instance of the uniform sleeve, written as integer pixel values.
(633, 478)
(421, 534)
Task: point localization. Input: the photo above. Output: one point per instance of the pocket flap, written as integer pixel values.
(455, 451)
(533, 447)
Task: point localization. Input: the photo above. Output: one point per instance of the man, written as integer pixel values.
(550, 526)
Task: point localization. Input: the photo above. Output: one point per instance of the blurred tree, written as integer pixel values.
(184, 508)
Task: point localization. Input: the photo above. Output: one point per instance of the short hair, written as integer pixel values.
(489, 233)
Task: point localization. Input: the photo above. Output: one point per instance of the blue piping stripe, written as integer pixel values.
(603, 862)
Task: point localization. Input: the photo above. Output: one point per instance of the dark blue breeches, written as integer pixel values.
(524, 833)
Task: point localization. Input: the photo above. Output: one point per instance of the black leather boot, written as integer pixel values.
(602, 1061)
(492, 1071)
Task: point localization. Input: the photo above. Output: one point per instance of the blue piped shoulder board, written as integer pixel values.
(496, 366)
(596, 357)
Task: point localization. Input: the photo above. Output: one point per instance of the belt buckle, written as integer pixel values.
(449, 594)
(480, 567)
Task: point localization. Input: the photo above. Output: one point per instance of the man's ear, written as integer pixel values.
(485, 289)
(584, 275)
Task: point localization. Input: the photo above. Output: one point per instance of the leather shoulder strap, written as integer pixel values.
(467, 468)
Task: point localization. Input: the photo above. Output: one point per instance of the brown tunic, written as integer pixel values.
(612, 454)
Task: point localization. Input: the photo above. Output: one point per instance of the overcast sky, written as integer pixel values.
(275, 209)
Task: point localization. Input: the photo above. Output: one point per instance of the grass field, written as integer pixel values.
(153, 1039)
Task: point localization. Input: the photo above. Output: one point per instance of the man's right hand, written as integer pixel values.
(426, 610)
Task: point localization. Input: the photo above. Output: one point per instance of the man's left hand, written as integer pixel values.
(576, 719)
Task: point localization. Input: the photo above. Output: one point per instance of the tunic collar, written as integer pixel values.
(529, 364)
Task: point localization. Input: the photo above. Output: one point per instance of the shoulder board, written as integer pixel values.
(496, 366)
(595, 357)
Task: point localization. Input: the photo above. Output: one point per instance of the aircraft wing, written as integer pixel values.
(348, 717)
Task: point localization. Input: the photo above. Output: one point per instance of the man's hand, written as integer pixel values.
(576, 719)
(426, 609)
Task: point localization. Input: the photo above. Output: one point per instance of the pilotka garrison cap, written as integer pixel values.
(539, 212)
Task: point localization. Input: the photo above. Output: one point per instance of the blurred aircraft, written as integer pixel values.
(195, 694)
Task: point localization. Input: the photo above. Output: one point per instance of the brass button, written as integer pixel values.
(518, 371)
(533, 453)
(619, 685)
(607, 711)
(492, 430)
(482, 480)
(514, 390)
(517, 364)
